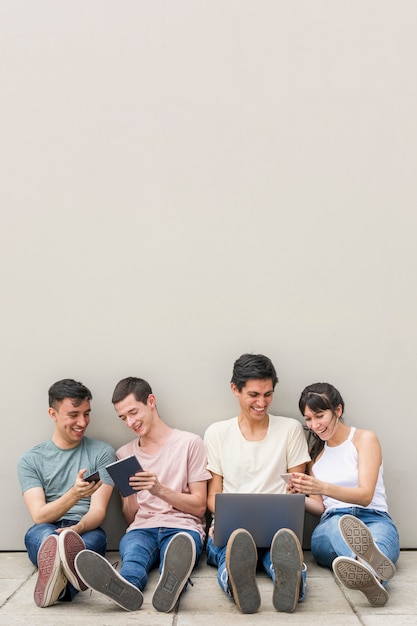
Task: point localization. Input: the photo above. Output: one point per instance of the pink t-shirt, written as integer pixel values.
(181, 461)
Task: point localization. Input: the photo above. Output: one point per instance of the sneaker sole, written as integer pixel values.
(241, 560)
(287, 559)
(178, 564)
(69, 545)
(51, 580)
(97, 573)
(359, 538)
(357, 577)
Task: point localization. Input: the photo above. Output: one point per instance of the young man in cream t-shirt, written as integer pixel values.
(248, 454)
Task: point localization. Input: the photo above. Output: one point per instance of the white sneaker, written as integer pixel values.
(69, 545)
(51, 579)
(359, 538)
(358, 577)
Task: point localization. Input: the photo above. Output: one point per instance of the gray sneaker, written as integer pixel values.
(359, 538)
(51, 579)
(178, 564)
(359, 577)
(241, 559)
(287, 560)
(69, 545)
(97, 573)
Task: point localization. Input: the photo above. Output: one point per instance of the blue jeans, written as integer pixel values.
(144, 549)
(216, 556)
(327, 542)
(95, 540)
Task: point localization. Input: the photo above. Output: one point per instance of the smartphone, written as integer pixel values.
(92, 478)
(286, 477)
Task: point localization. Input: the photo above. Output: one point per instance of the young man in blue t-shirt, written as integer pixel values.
(66, 509)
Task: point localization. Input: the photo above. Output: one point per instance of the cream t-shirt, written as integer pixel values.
(255, 466)
(181, 461)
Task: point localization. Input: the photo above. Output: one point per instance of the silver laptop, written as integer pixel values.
(262, 514)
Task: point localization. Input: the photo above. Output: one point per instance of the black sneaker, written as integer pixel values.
(51, 579)
(241, 559)
(96, 572)
(69, 545)
(178, 564)
(287, 560)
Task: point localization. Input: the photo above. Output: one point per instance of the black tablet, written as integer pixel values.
(121, 471)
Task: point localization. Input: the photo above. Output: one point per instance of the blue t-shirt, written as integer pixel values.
(55, 470)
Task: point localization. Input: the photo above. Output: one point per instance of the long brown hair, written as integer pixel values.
(319, 397)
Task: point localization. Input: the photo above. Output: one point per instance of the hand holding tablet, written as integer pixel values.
(121, 471)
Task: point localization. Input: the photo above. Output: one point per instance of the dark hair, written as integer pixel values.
(139, 387)
(68, 388)
(253, 366)
(319, 397)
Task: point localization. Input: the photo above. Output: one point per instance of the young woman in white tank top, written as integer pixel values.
(345, 487)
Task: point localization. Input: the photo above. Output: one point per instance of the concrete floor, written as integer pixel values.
(326, 603)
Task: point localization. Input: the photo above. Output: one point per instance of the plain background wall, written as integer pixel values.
(182, 182)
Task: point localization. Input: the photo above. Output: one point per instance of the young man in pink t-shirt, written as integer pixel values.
(165, 515)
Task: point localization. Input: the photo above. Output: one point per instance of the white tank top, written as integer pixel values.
(339, 465)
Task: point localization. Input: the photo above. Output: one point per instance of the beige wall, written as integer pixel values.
(183, 182)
